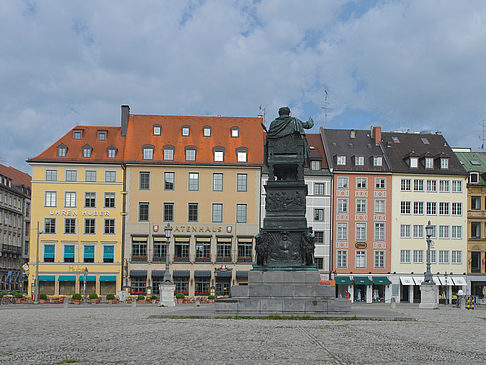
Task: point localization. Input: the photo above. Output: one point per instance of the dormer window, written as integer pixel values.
(190, 153)
(395, 140)
(474, 177)
(77, 134)
(359, 160)
(148, 152)
(315, 165)
(61, 150)
(242, 154)
(377, 161)
(235, 132)
(168, 153)
(157, 129)
(444, 163)
(341, 160)
(185, 131)
(111, 151)
(207, 131)
(413, 162)
(218, 153)
(429, 163)
(87, 149)
(102, 135)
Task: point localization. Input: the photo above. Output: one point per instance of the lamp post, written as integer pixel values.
(428, 233)
(168, 234)
(36, 285)
(167, 287)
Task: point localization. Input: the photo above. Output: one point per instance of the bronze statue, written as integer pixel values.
(285, 124)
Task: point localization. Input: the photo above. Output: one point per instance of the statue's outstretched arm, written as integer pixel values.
(309, 124)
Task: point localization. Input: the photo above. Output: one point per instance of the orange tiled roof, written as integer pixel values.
(18, 177)
(315, 141)
(140, 133)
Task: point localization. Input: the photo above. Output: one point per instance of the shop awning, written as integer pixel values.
(446, 280)
(105, 278)
(459, 281)
(202, 274)
(66, 278)
(181, 273)
(224, 274)
(343, 280)
(242, 274)
(436, 280)
(380, 280)
(47, 278)
(406, 280)
(158, 273)
(138, 273)
(418, 280)
(361, 280)
(88, 278)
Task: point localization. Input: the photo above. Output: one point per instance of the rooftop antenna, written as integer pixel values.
(325, 107)
(483, 124)
(261, 114)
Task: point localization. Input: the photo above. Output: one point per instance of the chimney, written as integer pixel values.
(376, 134)
(125, 114)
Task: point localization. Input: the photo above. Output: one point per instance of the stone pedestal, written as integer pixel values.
(428, 293)
(282, 292)
(167, 294)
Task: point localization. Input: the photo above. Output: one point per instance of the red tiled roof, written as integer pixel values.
(315, 140)
(18, 177)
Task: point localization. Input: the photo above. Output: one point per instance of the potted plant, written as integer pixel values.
(140, 298)
(18, 297)
(93, 298)
(77, 298)
(153, 298)
(110, 298)
(180, 298)
(211, 298)
(42, 298)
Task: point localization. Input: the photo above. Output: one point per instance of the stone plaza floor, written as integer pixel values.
(146, 334)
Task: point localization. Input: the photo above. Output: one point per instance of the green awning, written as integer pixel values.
(47, 278)
(380, 280)
(343, 280)
(104, 278)
(67, 278)
(88, 278)
(361, 280)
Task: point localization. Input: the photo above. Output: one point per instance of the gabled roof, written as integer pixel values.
(316, 149)
(18, 178)
(412, 144)
(140, 133)
(474, 162)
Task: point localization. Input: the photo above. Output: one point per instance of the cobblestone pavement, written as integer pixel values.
(103, 334)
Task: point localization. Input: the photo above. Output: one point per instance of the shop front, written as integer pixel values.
(67, 284)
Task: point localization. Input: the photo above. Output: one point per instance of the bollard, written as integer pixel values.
(393, 303)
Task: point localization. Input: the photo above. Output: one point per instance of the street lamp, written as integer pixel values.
(168, 234)
(428, 233)
(36, 285)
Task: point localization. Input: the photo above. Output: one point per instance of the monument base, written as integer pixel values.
(166, 291)
(428, 293)
(284, 292)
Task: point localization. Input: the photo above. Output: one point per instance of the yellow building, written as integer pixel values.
(77, 201)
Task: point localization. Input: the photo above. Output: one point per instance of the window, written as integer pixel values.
(405, 207)
(185, 131)
(138, 284)
(70, 199)
(168, 212)
(108, 254)
(342, 258)
(380, 206)
(444, 163)
(360, 205)
(101, 135)
(71, 175)
(315, 165)
(456, 186)
(242, 155)
(144, 180)
(89, 225)
(319, 263)
(425, 140)
(190, 153)
(418, 185)
(203, 250)
(341, 160)
(217, 213)
(89, 252)
(443, 256)
(377, 161)
(433, 256)
(217, 182)
(319, 214)
(361, 182)
(241, 213)
(418, 256)
(235, 132)
(181, 284)
(111, 152)
(87, 151)
(241, 182)
(50, 199)
(342, 231)
(148, 153)
(181, 251)
(160, 251)
(61, 151)
(431, 186)
(359, 160)
(49, 225)
(474, 177)
(418, 208)
(405, 185)
(143, 211)
(49, 253)
(456, 232)
(379, 231)
(342, 205)
(444, 232)
(90, 175)
(456, 257)
(431, 208)
(360, 231)
(318, 189)
(429, 163)
(169, 180)
(380, 183)
(444, 208)
(109, 200)
(51, 175)
(69, 253)
(223, 251)
(475, 230)
(139, 249)
(201, 286)
(413, 162)
(77, 134)
(444, 186)
(319, 237)
(218, 156)
(192, 212)
(168, 153)
(193, 181)
(379, 259)
(360, 257)
(342, 182)
(90, 200)
(110, 176)
(207, 131)
(405, 257)
(156, 130)
(456, 209)
(434, 231)
(69, 225)
(405, 231)
(418, 231)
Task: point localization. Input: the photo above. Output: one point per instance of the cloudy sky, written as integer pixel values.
(417, 65)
